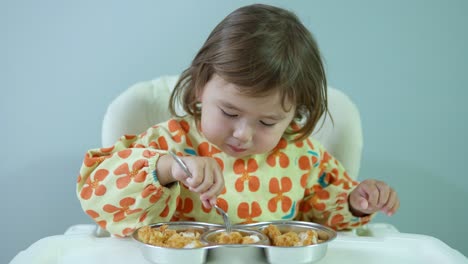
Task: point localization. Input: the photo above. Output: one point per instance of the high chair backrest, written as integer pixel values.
(145, 104)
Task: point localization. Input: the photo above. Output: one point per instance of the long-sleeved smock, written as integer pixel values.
(118, 186)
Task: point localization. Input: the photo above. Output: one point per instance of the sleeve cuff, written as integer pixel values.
(155, 181)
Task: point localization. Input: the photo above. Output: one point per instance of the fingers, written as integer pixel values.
(365, 196)
(206, 178)
(383, 194)
(363, 203)
(178, 173)
(206, 203)
(202, 180)
(392, 204)
(216, 188)
(371, 196)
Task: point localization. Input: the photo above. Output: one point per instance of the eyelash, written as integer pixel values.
(233, 116)
(266, 124)
(228, 115)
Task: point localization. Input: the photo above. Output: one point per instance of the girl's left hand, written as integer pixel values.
(371, 196)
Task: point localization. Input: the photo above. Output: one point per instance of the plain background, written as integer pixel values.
(404, 63)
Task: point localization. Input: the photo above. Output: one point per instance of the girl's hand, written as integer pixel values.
(207, 179)
(371, 196)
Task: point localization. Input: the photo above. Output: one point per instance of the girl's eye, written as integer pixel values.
(227, 114)
(267, 124)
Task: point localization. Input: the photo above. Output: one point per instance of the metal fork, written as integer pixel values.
(227, 222)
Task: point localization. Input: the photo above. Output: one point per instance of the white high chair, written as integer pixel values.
(146, 103)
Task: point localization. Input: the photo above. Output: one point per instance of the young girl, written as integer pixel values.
(253, 94)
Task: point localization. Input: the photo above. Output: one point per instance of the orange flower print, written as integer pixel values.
(244, 211)
(220, 202)
(137, 145)
(310, 144)
(336, 219)
(207, 150)
(341, 200)
(305, 206)
(138, 173)
(277, 154)
(306, 163)
(95, 215)
(154, 192)
(148, 154)
(184, 206)
(299, 143)
(108, 150)
(91, 160)
(244, 170)
(121, 213)
(161, 144)
(223, 204)
(179, 130)
(333, 176)
(316, 202)
(124, 153)
(130, 137)
(165, 211)
(320, 192)
(143, 216)
(294, 126)
(325, 159)
(280, 190)
(127, 231)
(94, 186)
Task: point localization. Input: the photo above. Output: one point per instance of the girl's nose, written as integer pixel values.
(243, 132)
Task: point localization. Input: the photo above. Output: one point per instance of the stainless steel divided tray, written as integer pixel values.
(262, 251)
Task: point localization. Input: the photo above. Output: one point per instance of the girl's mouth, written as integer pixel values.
(236, 149)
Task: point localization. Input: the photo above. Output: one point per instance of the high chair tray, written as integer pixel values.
(346, 248)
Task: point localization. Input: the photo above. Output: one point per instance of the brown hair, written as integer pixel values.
(261, 48)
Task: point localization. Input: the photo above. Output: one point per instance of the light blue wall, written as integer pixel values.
(403, 62)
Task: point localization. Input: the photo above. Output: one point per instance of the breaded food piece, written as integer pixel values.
(271, 231)
(309, 237)
(235, 238)
(164, 237)
(228, 238)
(151, 236)
(252, 239)
(290, 239)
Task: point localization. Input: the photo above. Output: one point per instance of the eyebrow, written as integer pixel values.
(275, 117)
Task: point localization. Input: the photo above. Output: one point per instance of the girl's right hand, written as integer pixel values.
(207, 178)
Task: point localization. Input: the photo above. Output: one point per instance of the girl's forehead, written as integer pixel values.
(218, 84)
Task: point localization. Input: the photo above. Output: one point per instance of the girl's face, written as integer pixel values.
(241, 125)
